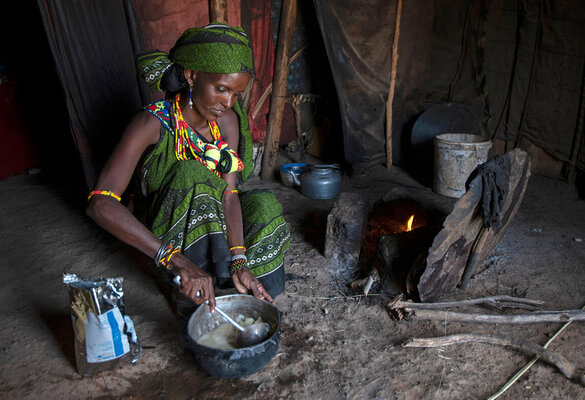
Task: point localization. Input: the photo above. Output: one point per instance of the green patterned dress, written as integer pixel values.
(185, 209)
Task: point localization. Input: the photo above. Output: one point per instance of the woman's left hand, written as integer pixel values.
(245, 283)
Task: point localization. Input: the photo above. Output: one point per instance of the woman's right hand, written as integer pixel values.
(247, 283)
(195, 283)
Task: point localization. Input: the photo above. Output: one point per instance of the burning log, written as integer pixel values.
(395, 235)
(401, 255)
(388, 229)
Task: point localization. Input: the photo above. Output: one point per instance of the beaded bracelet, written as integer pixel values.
(167, 259)
(239, 256)
(237, 264)
(164, 254)
(160, 253)
(230, 191)
(105, 193)
(237, 248)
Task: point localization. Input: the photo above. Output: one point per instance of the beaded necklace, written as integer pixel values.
(216, 156)
(185, 136)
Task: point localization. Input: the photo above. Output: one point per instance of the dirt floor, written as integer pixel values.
(334, 344)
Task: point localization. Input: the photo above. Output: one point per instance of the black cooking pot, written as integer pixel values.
(237, 362)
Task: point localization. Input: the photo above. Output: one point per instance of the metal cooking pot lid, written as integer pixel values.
(442, 118)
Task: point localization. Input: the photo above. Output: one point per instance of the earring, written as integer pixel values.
(191, 97)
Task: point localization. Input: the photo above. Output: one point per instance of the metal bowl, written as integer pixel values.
(290, 173)
(237, 362)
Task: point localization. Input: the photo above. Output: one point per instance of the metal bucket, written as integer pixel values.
(237, 362)
(456, 156)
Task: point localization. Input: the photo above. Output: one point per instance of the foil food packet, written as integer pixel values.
(104, 334)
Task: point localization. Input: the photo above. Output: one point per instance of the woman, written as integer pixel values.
(197, 225)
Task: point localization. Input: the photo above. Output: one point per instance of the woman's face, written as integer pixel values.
(214, 94)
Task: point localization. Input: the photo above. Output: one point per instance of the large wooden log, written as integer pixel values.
(345, 228)
(285, 36)
(463, 244)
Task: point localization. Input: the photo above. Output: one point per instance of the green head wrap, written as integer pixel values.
(215, 48)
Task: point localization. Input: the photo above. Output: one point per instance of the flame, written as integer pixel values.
(409, 223)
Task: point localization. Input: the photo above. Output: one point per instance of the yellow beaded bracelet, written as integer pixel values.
(167, 259)
(105, 193)
(237, 248)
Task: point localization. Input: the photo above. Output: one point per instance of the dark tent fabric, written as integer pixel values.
(519, 64)
(532, 55)
(358, 36)
(358, 39)
(93, 43)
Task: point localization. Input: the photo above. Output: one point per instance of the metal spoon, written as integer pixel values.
(247, 335)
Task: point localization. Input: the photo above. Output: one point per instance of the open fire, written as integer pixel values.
(363, 243)
(413, 242)
(390, 218)
(409, 223)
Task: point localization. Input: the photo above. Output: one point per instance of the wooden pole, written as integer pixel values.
(285, 36)
(218, 11)
(392, 86)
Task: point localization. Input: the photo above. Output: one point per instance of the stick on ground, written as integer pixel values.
(530, 318)
(567, 368)
(498, 302)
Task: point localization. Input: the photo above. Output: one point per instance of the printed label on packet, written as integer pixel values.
(105, 339)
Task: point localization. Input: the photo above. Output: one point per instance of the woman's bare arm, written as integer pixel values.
(142, 133)
(243, 279)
